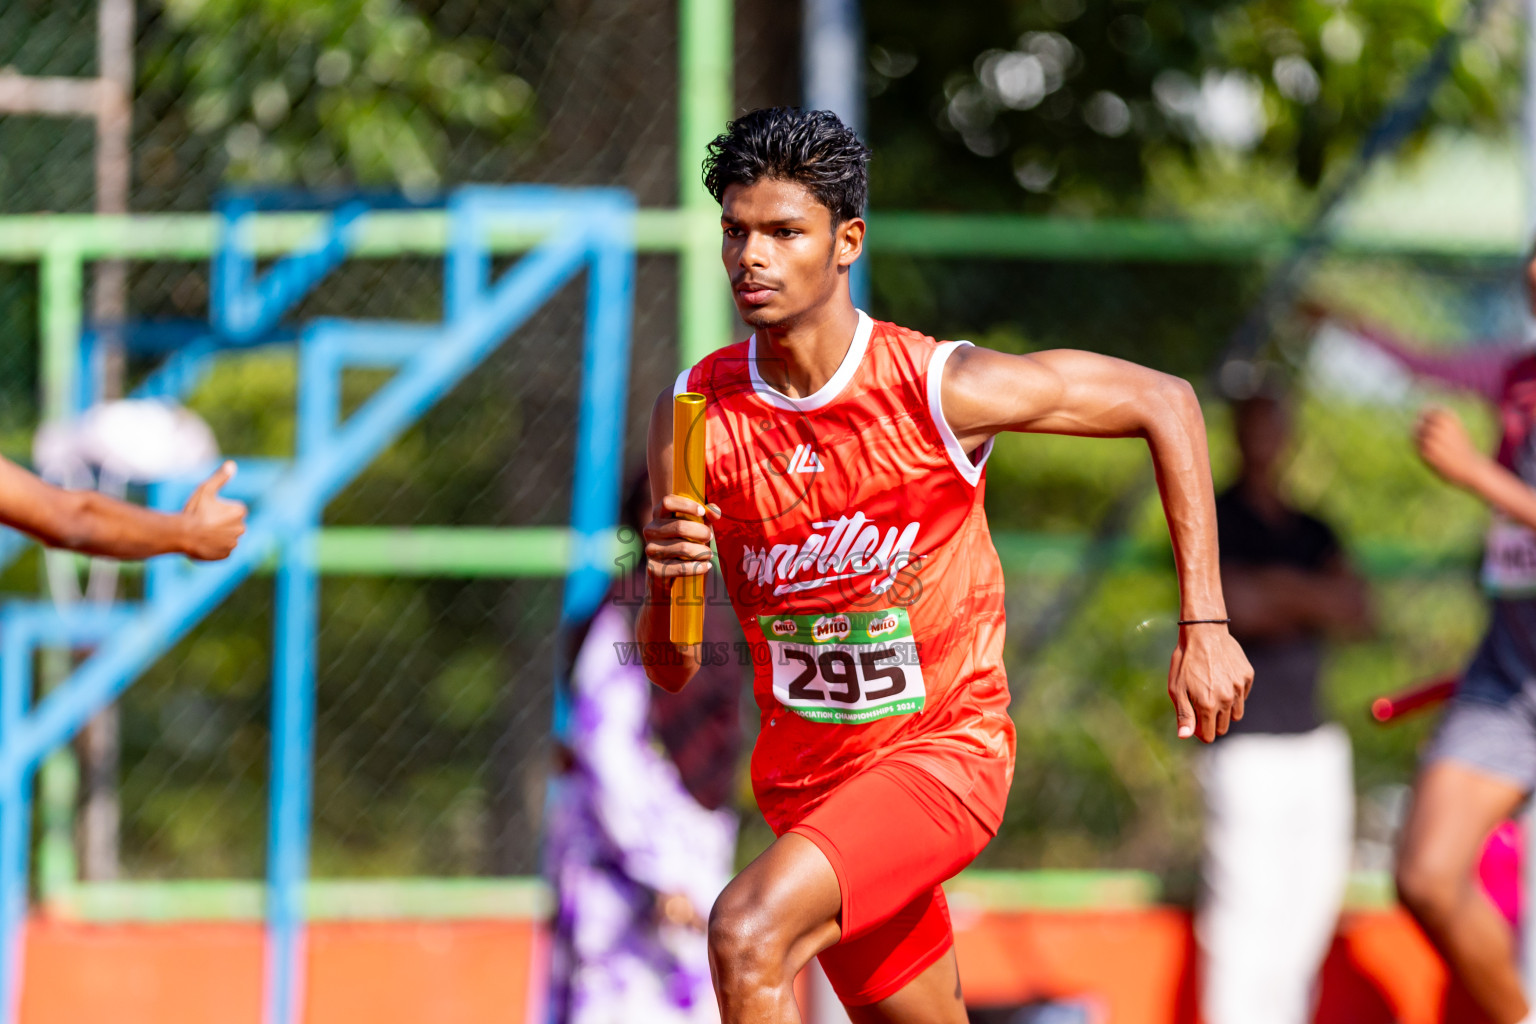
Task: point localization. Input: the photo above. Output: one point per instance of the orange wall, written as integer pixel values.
(1138, 965)
(399, 972)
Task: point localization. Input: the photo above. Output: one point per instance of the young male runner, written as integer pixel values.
(207, 528)
(844, 475)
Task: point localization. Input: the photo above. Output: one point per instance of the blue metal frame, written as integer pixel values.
(245, 306)
(591, 229)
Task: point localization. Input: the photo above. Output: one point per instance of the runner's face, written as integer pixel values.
(783, 250)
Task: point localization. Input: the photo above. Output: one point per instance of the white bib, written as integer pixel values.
(847, 668)
(1509, 560)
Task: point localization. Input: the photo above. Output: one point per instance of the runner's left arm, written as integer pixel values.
(1081, 393)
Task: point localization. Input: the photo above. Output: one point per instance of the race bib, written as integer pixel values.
(1509, 560)
(846, 669)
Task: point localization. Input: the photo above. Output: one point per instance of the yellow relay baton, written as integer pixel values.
(688, 480)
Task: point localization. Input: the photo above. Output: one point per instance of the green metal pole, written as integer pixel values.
(706, 318)
(59, 786)
(60, 313)
(460, 551)
(28, 238)
(62, 286)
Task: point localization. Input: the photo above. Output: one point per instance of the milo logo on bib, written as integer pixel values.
(833, 627)
(845, 669)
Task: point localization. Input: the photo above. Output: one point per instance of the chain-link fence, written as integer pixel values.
(435, 696)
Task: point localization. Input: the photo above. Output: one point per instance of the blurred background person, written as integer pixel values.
(1481, 764)
(642, 836)
(1278, 788)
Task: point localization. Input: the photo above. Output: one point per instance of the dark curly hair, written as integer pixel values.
(811, 147)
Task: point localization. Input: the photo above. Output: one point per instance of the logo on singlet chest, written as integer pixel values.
(844, 548)
(805, 460)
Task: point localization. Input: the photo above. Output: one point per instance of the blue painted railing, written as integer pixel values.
(581, 229)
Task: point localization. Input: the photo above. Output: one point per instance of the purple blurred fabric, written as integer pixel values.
(700, 726)
(623, 828)
(1480, 369)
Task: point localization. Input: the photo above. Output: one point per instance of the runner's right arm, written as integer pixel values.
(1446, 448)
(673, 547)
(207, 528)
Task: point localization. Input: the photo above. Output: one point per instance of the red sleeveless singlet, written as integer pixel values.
(855, 550)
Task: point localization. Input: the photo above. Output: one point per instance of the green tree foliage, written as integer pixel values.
(1098, 106)
(358, 91)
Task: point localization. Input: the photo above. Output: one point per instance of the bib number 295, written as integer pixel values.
(845, 669)
(847, 679)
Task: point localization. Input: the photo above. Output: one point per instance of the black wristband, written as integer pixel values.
(1204, 622)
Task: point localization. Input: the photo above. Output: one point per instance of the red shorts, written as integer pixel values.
(892, 834)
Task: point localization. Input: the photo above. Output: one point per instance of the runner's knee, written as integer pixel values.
(1427, 886)
(746, 943)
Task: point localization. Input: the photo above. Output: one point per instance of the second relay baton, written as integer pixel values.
(688, 480)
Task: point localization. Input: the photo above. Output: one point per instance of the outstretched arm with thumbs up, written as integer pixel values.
(207, 528)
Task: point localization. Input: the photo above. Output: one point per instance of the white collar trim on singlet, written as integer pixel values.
(828, 391)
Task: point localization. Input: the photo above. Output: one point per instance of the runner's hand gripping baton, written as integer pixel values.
(688, 480)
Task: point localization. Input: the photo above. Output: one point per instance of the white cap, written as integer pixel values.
(138, 440)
